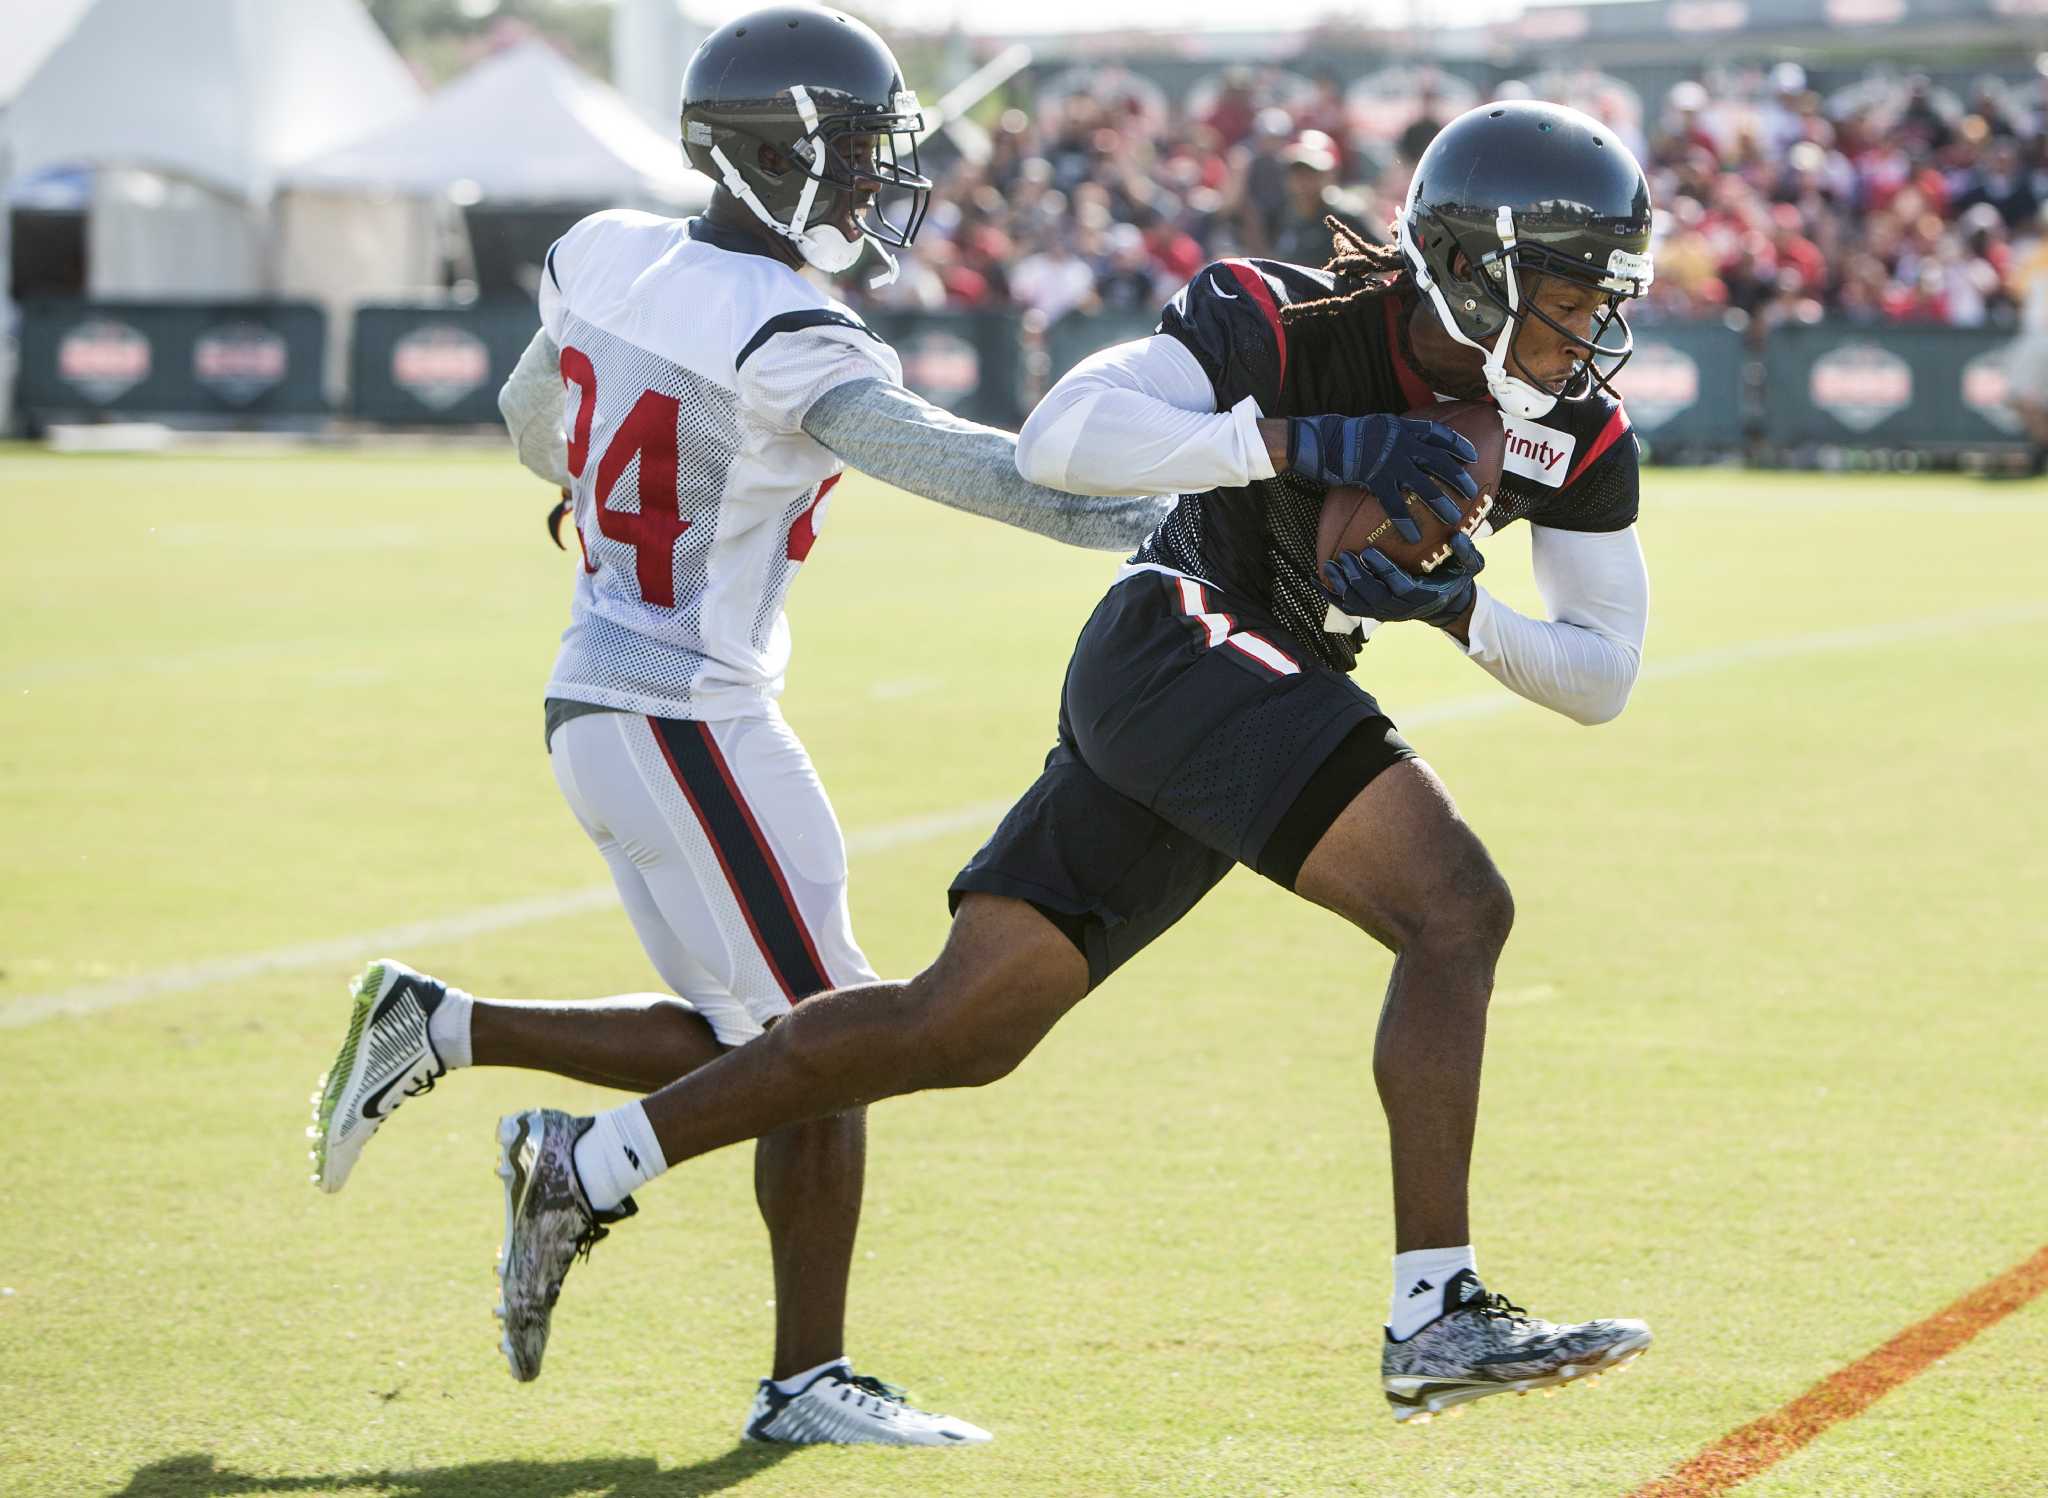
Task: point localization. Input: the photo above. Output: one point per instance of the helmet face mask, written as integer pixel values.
(1509, 202)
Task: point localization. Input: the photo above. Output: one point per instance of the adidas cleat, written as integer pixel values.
(385, 1058)
(841, 1408)
(549, 1223)
(1483, 1345)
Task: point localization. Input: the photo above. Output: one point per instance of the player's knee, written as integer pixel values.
(961, 1040)
(1464, 913)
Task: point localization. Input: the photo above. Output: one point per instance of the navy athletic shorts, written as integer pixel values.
(1193, 735)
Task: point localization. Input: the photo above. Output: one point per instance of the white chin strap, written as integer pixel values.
(1512, 394)
(823, 246)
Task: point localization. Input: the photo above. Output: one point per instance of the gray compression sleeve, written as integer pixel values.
(901, 439)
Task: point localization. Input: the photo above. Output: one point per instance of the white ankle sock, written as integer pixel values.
(448, 1028)
(795, 1383)
(617, 1153)
(1419, 1279)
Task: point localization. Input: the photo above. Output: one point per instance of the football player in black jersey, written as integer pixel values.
(1209, 717)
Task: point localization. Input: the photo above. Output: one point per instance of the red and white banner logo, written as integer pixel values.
(1987, 390)
(103, 360)
(1660, 381)
(439, 364)
(1861, 385)
(940, 367)
(240, 361)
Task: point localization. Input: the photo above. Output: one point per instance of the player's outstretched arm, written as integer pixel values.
(1582, 661)
(1142, 415)
(887, 432)
(531, 403)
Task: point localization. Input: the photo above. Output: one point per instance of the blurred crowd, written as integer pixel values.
(1892, 200)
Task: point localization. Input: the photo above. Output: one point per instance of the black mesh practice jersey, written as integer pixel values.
(1575, 469)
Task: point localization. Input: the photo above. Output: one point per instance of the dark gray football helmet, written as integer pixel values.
(801, 112)
(1512, 191)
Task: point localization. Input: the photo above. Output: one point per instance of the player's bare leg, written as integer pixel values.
(1402, 865)
(1004, 979)
(807, 1179)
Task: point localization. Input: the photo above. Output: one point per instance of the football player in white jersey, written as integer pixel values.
(696, 398)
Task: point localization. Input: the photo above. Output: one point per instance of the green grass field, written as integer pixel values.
(1766, 1066)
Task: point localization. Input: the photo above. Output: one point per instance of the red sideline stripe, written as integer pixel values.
(1255, 284)
(731, 880)
(1414, 389)
(767, 855)
(1848, 1392)
(1609, 435)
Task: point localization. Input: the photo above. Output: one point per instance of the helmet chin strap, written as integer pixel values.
(823, 246)
(1512, 394)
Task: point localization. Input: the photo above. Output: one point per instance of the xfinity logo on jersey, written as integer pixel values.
(1537, 452)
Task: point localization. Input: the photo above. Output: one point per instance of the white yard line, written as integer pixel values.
(341, 951)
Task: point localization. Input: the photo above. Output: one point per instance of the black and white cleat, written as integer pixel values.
(1482, 1344)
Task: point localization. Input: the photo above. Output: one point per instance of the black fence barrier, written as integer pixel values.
(1853, 385)
(972, 363)
(435, 366)
(1683, 387)
(1079, 334)
(234, 361)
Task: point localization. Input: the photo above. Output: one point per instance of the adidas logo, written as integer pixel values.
(1420, 1287)
(630, 1155)
(1473, 1291)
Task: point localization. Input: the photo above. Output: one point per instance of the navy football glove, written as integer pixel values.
(1386, 455)
(1365, 585)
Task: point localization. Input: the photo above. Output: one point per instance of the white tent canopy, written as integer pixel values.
(525, 126)
(186, 113)
(223, 92)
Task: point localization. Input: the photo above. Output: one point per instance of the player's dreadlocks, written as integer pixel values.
(1321, 330)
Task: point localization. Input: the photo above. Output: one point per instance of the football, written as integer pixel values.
(1353, 520)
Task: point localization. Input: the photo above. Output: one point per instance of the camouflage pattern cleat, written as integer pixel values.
(549, 1223)
(1482, 1344)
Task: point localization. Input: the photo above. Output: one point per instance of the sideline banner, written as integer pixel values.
(210, 359)
(1683, 386)
(1884, 385)
(440, 366)
(972, 363)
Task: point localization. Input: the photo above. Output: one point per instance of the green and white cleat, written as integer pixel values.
(549, 1224)
(385, 1058)
(1483, 1345)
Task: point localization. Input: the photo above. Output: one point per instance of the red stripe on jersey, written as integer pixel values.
(1609, 435)
(1255, 285)
(1414, 388)
(804, 534)
(767, 853)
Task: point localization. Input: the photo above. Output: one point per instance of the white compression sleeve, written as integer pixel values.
(1582, 661)
(531, 403)
(1141, 417)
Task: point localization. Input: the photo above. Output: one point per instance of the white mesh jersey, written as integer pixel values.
(687, 370)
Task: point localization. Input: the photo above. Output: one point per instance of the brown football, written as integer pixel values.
(1353, 520)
